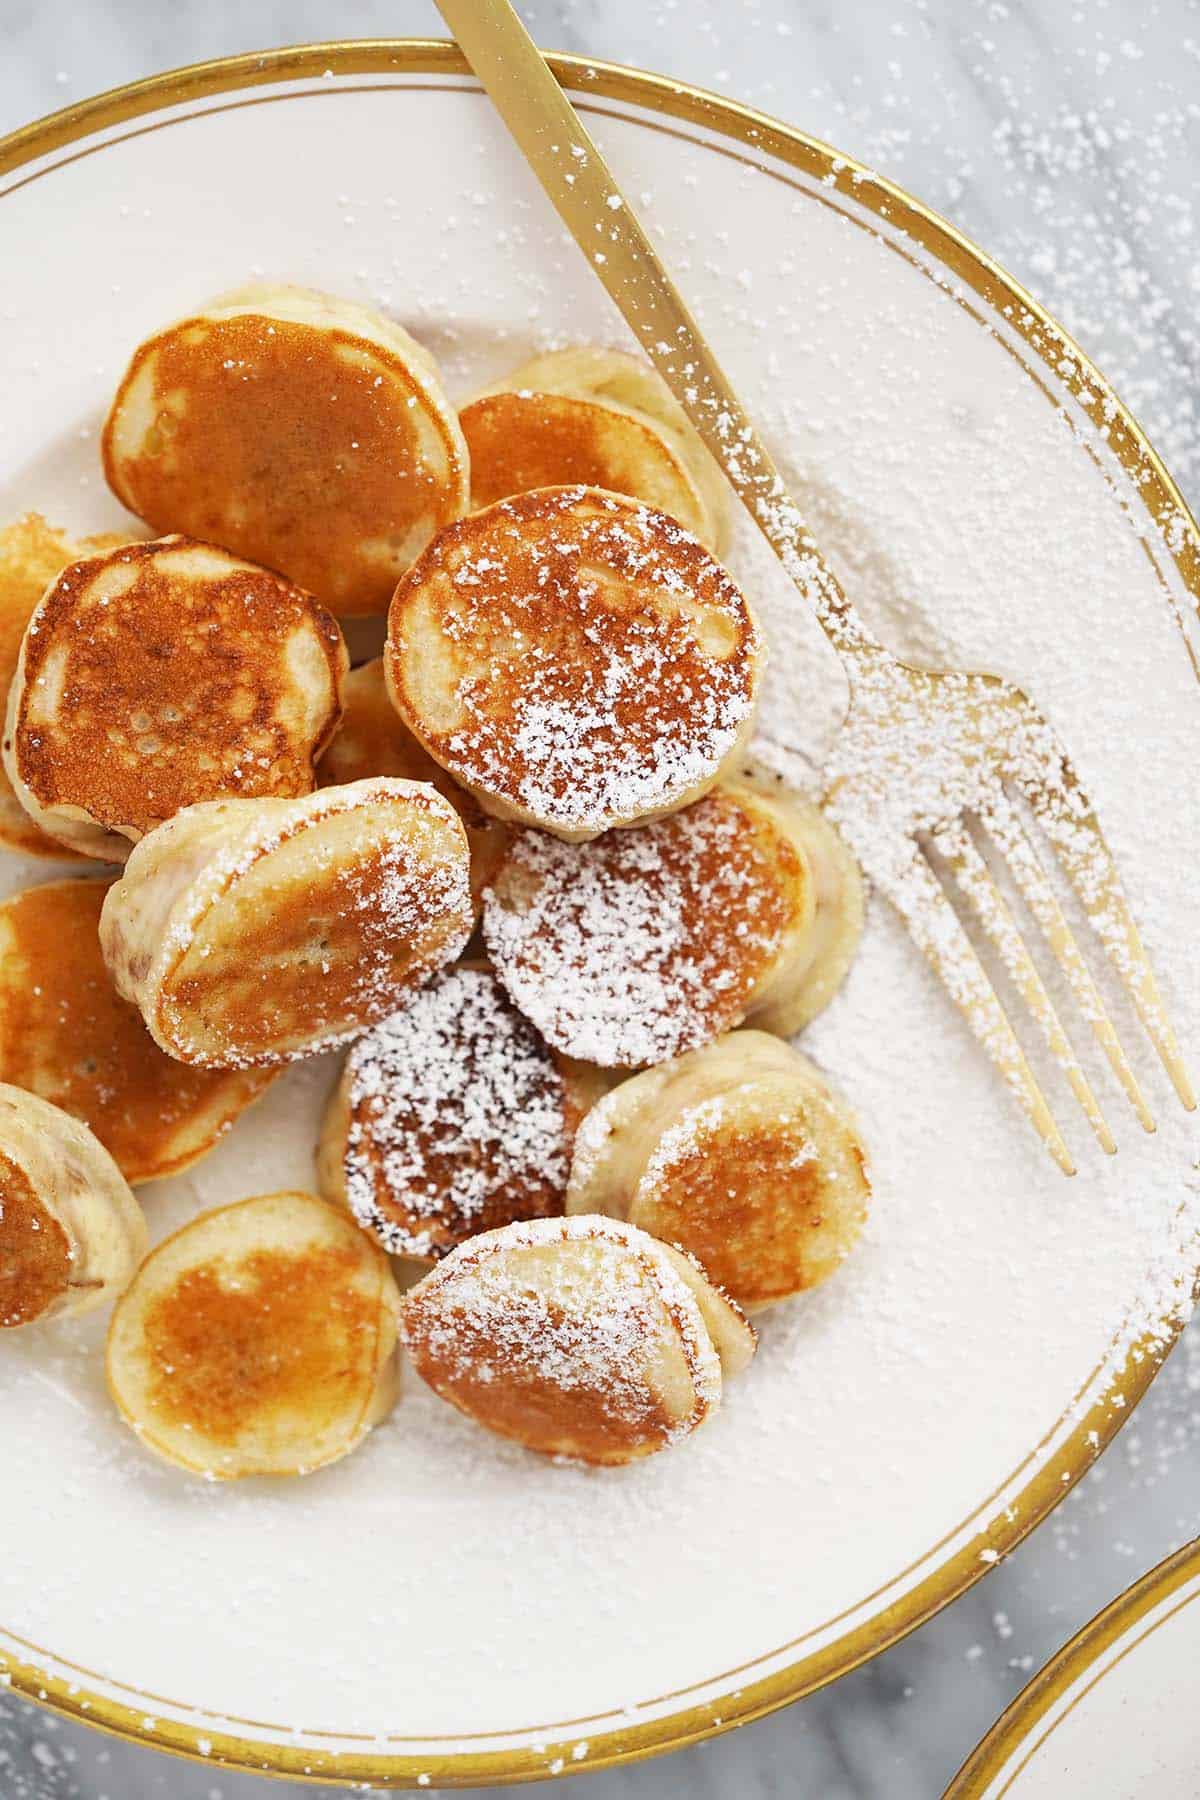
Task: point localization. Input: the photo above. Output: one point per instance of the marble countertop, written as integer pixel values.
(1065, 136)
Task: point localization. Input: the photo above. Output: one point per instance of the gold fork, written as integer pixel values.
(929, 763)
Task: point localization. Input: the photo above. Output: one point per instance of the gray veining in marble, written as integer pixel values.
(1064, 135)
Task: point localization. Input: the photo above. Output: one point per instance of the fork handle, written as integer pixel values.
(578, 181)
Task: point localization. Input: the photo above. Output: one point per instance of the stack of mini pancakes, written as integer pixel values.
(516, 860)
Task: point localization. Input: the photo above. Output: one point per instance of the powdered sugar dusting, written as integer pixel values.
(644, 943)
(941, 601)
(604, 664)
(688, 1134)
(457, 1119)
(970, 528)
(586, 1321)
(376, 915)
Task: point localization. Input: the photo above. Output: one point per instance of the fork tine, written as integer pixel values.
(1070, 823)
(919, 898)
(1000, 819)
(955, 845)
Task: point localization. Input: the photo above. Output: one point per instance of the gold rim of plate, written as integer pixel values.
(616, 1738)
(999, 1753)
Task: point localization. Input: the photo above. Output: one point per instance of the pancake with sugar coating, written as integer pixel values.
(32, 554)
(259, 1340)
(576, 1337)
(594, 418)
(740, 1154)
(451, 1118)
(66, 1034)
(648, 942)
(251, 932)
(71, 1233)
(164, 673)
(575, 659)
(373, 740)
(306, 432)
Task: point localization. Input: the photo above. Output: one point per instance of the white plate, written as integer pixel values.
(1113, 1715)
(441, 1604)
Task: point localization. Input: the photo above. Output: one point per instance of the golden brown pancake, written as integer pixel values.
(599, 418)
(575, 659)
(259, 1340)
(818, 952)
(163, 673)
(251, 932)
(576, 1337)
(373, 740)
(740, 1154)
(452, 1117)
(71, 1233)
(32, 554)
(645, 943)
(35, 1251)
(518, 442)
(305, 432)
(67, 1035)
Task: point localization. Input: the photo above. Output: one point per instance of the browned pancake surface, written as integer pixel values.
(270, 1335)
(646, 942)
(172, 689)
(459, 1119)
(35, 1253)
(289, 449)
(520, 441)
(567, 1376)
(295, 964)
(66, 1035)
(504, 1383)
(752, 1205)
(574, 654)
(32, 553)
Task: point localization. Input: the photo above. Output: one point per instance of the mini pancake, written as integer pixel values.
(259, 1340)
(814, 962)
(71, 1233)
(251, 932)
(740, 1154)
(66, 1034)
(452, 1117)
(32, 554)
(372, 740)
(597, 418)
(649, 942)
(303, 431)
(575, 659)
(163, 673)
(576, 1337)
